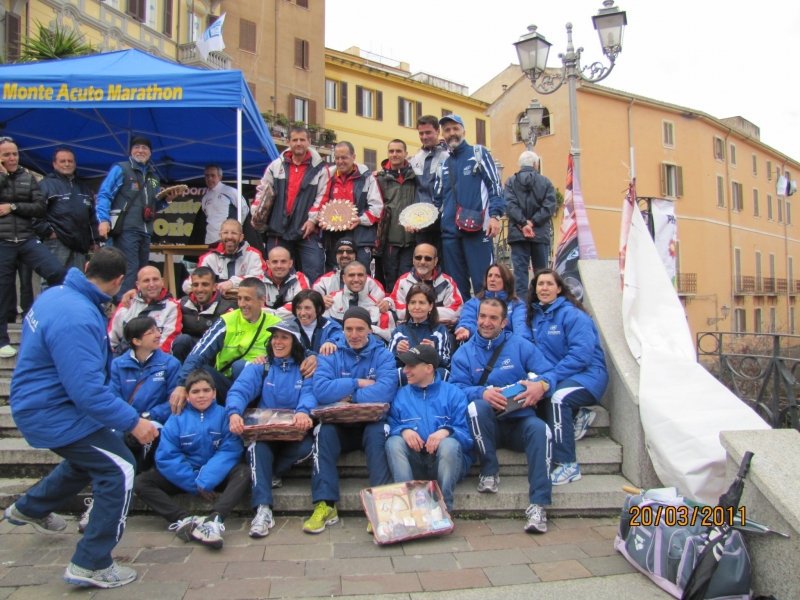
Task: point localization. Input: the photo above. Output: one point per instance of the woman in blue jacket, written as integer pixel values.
(279, 385)
(318, 334)
(422, 327)
(498, 282)
(568, 338)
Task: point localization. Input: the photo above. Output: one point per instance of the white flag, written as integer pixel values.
(211, 38)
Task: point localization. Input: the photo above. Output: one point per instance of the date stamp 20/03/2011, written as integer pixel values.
(684, 516)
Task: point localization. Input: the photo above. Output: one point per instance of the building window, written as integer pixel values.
(408, 112)
(194, 26)
(755, 166)
(790, 274)
(737, 201)
(301, 54)
(302, 110)
(167, 18)
(369, 103)
(757, 320)
(758, 271)
(780, 209)
(331, 94)
(371, 159)
(302, 3)
(446, 112)
(252, 88)
(211, 19)
(13, 35)
(770, 217)
(739, 321)
(719, 148)
(791, 319)
(671, 181)
(788, 213)
(720, 191)
(769, 170)
(480, 132)
(247, 35)
(137, 9)
(771, 266)
(737, 267)
(733, 155)
(668, 130)
(756, 210)
(773, 320)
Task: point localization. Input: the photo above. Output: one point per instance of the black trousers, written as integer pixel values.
(156, 491)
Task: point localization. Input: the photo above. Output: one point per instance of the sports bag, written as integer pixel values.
(653, 538)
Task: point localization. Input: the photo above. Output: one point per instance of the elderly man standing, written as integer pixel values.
(299, 179)
(470, 196)
(531, 205)
(127, 206)
(354, 183)
(69, 229)
(152, 300)
(219, 203)
(20, 201)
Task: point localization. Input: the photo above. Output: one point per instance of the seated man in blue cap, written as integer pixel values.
(428, 435)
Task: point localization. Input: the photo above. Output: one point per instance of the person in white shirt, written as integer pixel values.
(220, 203)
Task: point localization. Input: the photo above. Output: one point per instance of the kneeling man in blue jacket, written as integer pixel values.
(198, 454)
(492, 359)
(428, 436)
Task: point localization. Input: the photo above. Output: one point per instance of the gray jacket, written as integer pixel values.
(530, 197)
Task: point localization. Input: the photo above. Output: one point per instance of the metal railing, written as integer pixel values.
(744, 284)
(760, 368)
(686, 283)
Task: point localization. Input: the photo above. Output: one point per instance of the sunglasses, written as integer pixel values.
(345, 252)
(5, 139)
(422, 257)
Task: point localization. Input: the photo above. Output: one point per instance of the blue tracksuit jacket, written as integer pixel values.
(198, 449)
(568, 338)
(60, 392)
(336, 376)
(414, 333)
(327, 330)
(283, 387)
(518, 358)
(477, 189)
(516, 315)
(160, 375)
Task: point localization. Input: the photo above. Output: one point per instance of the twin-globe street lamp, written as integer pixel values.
(533, 49)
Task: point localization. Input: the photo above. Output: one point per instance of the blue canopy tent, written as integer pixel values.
(95, 104)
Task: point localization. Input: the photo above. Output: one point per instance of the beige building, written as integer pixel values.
(737, 240)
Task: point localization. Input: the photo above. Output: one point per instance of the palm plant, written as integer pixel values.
(53, 44)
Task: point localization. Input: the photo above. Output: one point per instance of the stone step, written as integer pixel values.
(5, 387)
(8, 429)
(7, 365)
(593, 495)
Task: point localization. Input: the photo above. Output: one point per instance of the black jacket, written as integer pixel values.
(196, 319)
(530, 197)
(70, 213)
(399, 189)
(20, 188)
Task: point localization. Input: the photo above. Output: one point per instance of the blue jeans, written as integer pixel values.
(274, 458)
(136, 248)
(466, 259)
(523, 254)
(525, 434)
(102, 459)
(308, 255)
(568, 397)
(333, 439)
(447, 465)
(65, 255)
(32, 253)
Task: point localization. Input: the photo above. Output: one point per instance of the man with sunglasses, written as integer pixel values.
(20, 202)
(425, 271)
(332, 281)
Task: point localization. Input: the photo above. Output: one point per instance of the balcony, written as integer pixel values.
(767, 286)
(794, 287)
(686, 284)
(189, 55)
(744, 284)
(782, 286)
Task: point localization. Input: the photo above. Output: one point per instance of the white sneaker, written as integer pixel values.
(537, 519)
(565, 473)
(489, 483)
(262, 522)
(111, 577)
(185, 527)
(52, 523)
(8, 351)
(88, 502)
(276, 482)
(210, 533)
(583, 420)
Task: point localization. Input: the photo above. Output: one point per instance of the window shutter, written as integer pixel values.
(418, 115)
(379, 105)
(13, 23)
(298, 53)
(480, 132)
(252, 87)
(666, 133)
(401, 105)
(136, 9)
(679, 178)
(306, 52)
(292, 117)
(343, 96)
(302, 3)
(312, 112)
(247, 35)
(664, 187)
(168, 18)
(446, 112)
(359, 101)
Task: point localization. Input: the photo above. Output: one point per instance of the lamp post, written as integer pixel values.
(726, 310)
(533, 49)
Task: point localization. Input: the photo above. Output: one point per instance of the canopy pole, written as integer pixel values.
(239, 163)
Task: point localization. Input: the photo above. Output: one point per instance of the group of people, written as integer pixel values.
(151, 402)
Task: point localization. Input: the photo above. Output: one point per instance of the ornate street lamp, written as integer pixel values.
(533, 50)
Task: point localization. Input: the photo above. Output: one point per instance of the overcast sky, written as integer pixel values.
(722, 57)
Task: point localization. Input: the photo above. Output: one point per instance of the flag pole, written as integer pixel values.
(239, 163)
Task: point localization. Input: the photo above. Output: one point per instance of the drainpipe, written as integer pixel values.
(730, 221)
(275, 77)
(178, 33)
(630, 141)
(786, 247)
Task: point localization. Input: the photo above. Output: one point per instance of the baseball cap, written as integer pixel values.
(455, 118)
(289, 327)
(423, 353)
(140, 140)
(348, 242)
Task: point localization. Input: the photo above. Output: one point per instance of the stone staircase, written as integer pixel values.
(598, 493)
